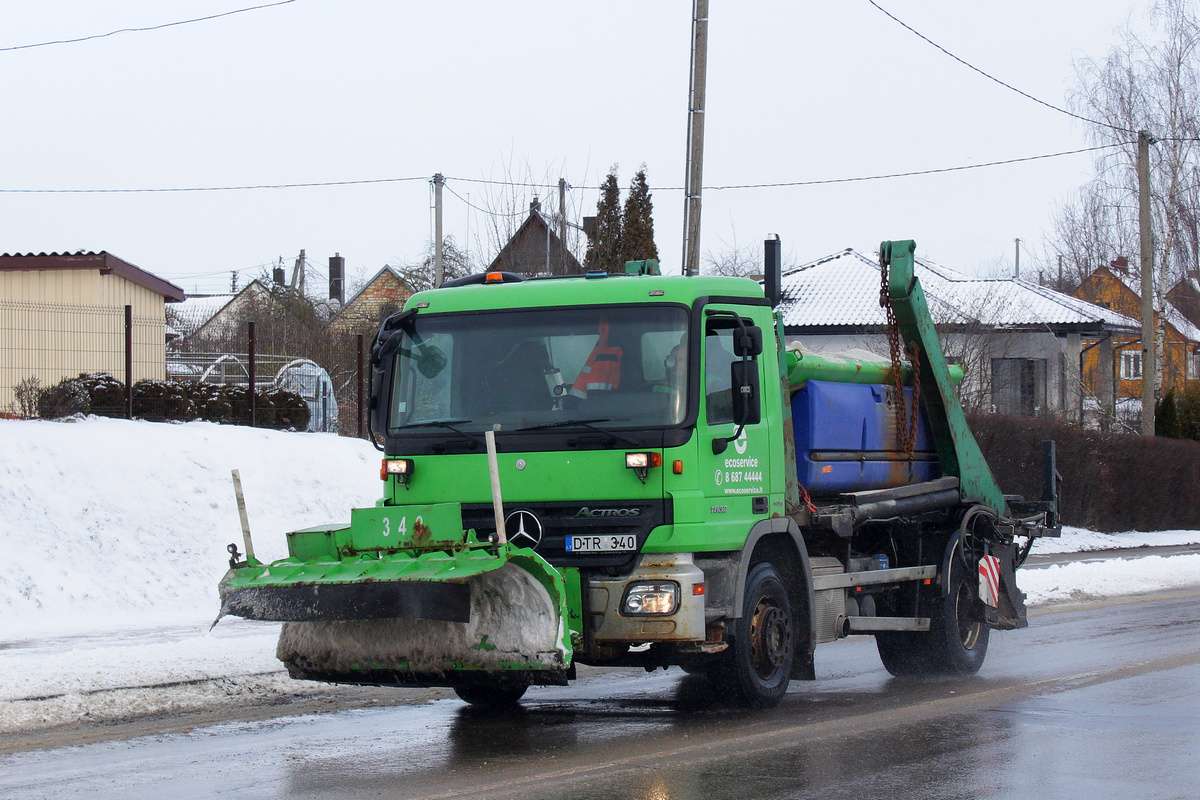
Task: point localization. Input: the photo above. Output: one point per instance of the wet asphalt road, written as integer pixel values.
(1097, 702)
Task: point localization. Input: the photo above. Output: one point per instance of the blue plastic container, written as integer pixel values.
(847, 439)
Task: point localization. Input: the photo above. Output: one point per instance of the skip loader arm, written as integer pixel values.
(958, 451)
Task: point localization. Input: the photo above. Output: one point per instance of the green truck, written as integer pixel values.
(633, 470)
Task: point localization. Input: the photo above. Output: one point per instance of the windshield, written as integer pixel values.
(619, 367)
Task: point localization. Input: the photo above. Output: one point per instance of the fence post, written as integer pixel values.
(128, 362)
(360, 386)
(251, 376)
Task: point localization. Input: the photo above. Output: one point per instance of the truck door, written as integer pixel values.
(735, 481)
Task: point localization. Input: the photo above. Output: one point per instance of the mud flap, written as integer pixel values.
(1003, 602)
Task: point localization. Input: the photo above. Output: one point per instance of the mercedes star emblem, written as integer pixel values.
(523, 528)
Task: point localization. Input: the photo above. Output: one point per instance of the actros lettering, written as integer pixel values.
(608, 512)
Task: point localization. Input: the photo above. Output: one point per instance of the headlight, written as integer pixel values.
(402, 468)
(651, 597)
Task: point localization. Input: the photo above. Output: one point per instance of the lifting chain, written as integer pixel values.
(906, 419)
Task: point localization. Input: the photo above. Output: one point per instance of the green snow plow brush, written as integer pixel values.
(405, 596)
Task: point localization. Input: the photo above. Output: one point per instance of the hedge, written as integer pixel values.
(1110, 482)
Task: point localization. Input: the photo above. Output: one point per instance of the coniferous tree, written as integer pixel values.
(637, 237)
(604, 251)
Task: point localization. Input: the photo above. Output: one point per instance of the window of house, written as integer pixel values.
(1131, 365)
(1019, 386)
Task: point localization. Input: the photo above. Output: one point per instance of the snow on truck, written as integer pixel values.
(633, 470)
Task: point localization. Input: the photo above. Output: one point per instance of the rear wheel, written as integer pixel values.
(957, 641)
(490, 696)
(757, 666)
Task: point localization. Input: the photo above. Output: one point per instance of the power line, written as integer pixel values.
(484, 210)
(915, 173)
(779, 184)
(214, 188)
(1008, 86)
(148, 28)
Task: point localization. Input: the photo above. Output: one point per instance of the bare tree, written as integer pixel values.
(1148, 81)
(506, 202)
(420, 276)
(735, 259)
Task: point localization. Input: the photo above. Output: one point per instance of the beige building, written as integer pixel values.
(63, 314)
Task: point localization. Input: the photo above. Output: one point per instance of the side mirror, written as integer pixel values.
(747, 404)
(747, 341)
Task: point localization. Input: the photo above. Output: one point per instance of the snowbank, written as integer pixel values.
(109, 524)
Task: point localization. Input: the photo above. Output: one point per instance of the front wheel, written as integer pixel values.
(757, 667)
(490, 696)
(957, 641)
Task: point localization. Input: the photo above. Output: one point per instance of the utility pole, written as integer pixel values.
(297, 283)
(1146, 240)
(695, 140)
(1060, 280)
(1017, 258)
(439, 274)
(562, 225)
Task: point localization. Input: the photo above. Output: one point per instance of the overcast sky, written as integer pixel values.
(316, 91)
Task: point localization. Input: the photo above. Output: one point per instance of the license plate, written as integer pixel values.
(601, 544)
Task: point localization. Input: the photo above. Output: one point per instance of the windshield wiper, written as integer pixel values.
(448, 424)
(583, 423)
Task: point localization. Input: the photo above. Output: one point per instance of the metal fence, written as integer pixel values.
(42, 345)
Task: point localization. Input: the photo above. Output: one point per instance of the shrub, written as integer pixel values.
(288, 409)
(163, 400)
(63, 399)
(1166, 417)
(1188, 405)
(106, 394)
(210, 402)
(27, 393)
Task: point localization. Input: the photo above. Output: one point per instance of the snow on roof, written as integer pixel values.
(842, 290)
(1170, 313)
(196, 310)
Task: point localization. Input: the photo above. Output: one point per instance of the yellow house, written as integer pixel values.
(63, 314)
(1113, 288)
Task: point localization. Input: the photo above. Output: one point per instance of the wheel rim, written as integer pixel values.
(770, 638)
(969, 627)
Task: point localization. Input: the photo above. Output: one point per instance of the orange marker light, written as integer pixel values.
(827, 469)
(677, 467)
(697, 589)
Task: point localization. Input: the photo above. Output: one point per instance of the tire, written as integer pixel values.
(490, 696)
(757, 666)
(957, 641)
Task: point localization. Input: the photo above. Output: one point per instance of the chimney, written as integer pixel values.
(279, 276)
(337, 278)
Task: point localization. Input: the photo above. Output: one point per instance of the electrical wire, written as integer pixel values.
(148, 28)
(214, 188)
(993, 78)
(819, 182)
(911, 174)
(469, 204)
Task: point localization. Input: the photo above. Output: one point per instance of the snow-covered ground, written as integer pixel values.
(114, 536)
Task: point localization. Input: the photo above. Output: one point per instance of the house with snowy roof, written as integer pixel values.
(1021, 344)
(1114, 287)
